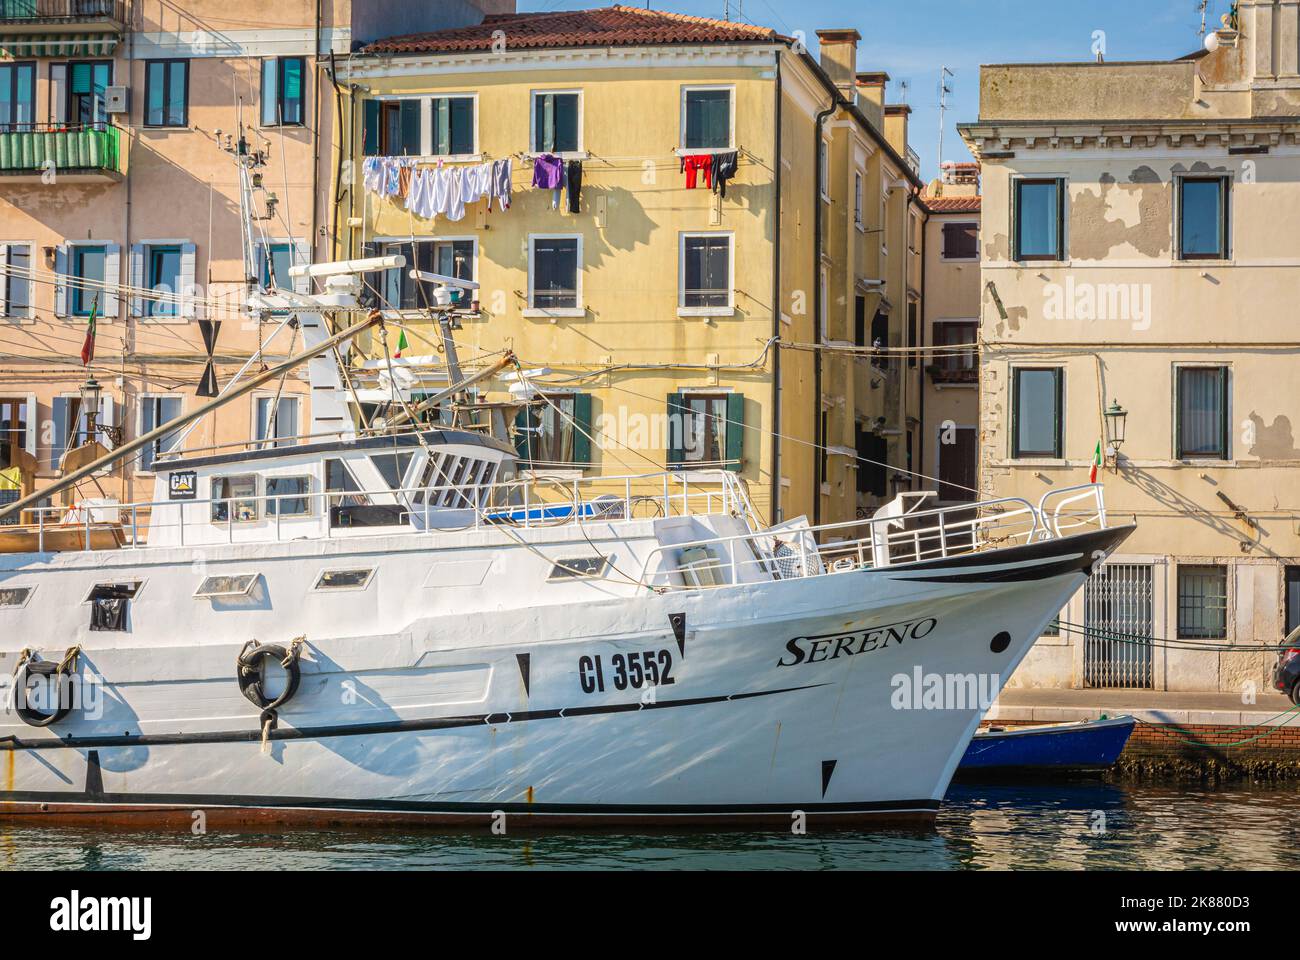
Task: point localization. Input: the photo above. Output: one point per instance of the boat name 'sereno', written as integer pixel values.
(830, 646)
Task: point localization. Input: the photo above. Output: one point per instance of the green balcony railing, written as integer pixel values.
(86, 150)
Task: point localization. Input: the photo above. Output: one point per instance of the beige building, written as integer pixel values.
(1136, 248)
(949, 361)
(118, 195)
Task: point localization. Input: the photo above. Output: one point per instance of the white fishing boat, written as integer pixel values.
(399, 624)
(397, 627)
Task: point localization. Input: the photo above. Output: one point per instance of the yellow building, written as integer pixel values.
(950, 404)
(667, 323)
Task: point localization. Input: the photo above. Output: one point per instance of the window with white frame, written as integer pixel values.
(162, 275)
(450, 256)
(707, 118)
(556, 121)
(276, 424)
(857, 200)
(554, 273)
(440, 126)
(705, 271)
(156, 410)
(16, 279)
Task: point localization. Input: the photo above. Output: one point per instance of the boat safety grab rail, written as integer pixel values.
(528, 502)
(957, 530)
(1068, 495)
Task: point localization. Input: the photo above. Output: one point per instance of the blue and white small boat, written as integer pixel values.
(1088, 745)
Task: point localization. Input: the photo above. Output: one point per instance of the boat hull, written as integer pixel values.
(775, 703)
(1064, 748)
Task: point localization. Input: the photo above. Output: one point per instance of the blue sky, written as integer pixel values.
(912, 39)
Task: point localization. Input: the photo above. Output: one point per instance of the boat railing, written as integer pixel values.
(874, 542)
(534, 501)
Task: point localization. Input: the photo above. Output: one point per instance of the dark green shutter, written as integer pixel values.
(370, 145)
(735, 431)
(411, 110)
(461, 133)
(677, 414)
(582, 428)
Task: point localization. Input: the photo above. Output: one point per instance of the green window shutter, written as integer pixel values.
(411, 127)
(522, 435)
(582, 428)
(735, 431)
(370, 146)
(677, 414)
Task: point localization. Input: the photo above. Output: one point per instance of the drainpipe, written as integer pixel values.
(332, 72)
(921, 357)
(818, 190)
(774, 511)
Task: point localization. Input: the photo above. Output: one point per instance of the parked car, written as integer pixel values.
(1286, 675)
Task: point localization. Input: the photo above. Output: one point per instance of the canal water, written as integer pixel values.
(1091, 826)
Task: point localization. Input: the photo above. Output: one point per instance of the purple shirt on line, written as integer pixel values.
(548, 172)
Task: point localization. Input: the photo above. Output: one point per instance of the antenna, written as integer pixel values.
(903, 87)
(1203, 4)
(944, 90)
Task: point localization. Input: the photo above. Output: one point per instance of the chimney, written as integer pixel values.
(896, 115)
(839, 58)
(871, 97)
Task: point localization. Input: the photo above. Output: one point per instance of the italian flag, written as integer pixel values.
(401, 344)
(1096, 462)
(88, 348)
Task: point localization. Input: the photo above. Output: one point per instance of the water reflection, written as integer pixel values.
(981, 827)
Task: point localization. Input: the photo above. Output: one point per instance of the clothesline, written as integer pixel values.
(445, 189)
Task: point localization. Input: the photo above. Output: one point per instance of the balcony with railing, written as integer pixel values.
(59, 153)
(52, 16)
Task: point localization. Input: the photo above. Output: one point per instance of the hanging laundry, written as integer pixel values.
(417, 198)
(698, 163)
(372, 173)
(478, 182)
(500, 186)
(573, 183)
(392, 176)
(404, 183)
(455, 194)
(548, 172)
(722, 169)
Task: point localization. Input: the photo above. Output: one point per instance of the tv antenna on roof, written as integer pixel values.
(1203, 5)
(944, 90)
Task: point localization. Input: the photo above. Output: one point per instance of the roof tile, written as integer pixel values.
(605, 26)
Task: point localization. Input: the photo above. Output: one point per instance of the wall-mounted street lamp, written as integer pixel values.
(91, 393)
(1116, 421)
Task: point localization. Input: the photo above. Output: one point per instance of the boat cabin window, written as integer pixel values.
(344, 579)
(392, 467)
(288, 496)
(15, 596)
(339, 479)
(121, 590)
(234, 498)
(578, 568)
(231, 585)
